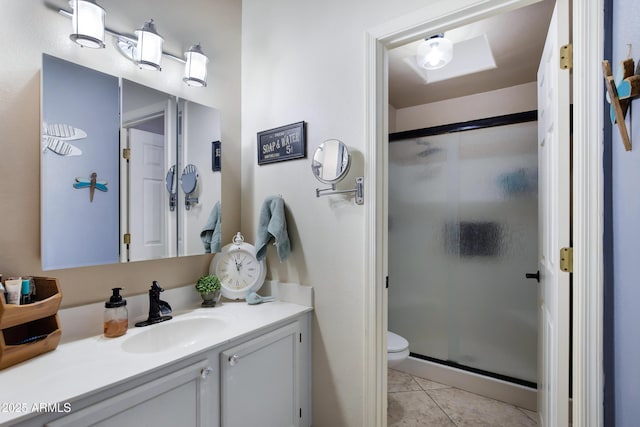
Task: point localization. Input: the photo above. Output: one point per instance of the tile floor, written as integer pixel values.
(414, 402)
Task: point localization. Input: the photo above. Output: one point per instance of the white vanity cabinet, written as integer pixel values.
(261, 377)
(261, 382)
(177, 399)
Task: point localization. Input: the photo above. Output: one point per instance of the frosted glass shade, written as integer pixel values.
(87, 24)
(435, 53)
(195, 69)
(148, 52)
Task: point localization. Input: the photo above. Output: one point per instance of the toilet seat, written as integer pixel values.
(395, 343)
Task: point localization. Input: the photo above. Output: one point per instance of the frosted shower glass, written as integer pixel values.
(462, 234)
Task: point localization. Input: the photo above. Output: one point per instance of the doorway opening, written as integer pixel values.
(463, 196)
(588, 224)
(479, 313)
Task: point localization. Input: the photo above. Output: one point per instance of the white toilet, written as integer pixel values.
(397, 349)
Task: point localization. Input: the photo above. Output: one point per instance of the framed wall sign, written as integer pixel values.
(216, 156)
(283, 143)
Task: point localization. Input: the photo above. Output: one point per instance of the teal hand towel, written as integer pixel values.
(272, 223)
(211, 233)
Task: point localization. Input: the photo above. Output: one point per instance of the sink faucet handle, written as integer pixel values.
(156, 286)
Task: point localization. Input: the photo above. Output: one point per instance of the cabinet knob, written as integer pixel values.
(205, 372)
(233, 360)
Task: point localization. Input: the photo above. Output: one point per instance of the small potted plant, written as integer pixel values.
(209, 288)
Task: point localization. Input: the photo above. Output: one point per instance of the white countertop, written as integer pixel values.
(80, 367)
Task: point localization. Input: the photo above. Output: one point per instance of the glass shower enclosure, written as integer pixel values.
(463, 226)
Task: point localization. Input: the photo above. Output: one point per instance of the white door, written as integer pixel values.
(554, 227)
(148, 201)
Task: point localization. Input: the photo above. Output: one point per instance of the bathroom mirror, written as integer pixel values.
(113, 152)
(200, 187)
(148, 139)
(79, 166)
(330, 164)
(331, 161)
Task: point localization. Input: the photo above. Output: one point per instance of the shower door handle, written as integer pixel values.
(535, 275)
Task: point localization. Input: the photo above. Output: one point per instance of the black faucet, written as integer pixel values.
(157, 307)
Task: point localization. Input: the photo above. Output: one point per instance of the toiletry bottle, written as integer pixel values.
(32, 288)
(116, 316)
(13, 286)
(25, 295)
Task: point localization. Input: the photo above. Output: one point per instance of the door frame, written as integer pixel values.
(588, 119)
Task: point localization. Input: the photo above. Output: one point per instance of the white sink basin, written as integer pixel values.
(172, 334)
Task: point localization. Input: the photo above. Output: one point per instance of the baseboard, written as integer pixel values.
(514, 394)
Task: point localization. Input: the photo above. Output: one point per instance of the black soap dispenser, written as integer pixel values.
(116, 316)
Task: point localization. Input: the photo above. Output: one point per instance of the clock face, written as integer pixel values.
(238, 270)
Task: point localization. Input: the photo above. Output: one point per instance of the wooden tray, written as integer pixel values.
(31, 329)
(48, 298)
(12, 351)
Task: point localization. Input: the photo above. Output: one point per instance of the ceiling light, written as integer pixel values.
(435, 52)
(148, 52)
(87, 23)
(195, 70)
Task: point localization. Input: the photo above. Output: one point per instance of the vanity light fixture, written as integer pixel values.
(148, 51)
(435, 52)
(87, 23)
(144, 48)
(195, 69)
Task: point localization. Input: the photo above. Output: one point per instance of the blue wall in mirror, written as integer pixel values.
(80, 136)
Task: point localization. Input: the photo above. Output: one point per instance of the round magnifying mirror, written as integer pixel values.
(331, 161)
(170, 179)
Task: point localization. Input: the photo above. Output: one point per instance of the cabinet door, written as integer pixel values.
(260, 381)
(177, 399)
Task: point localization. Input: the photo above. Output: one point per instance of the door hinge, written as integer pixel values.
(566, 260)
(126, 153)
(126, 238)
(300, 337)
(386, 283)
(566, 56)
(300, 412)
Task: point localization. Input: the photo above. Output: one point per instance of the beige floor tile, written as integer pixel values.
(399, 381)
(415, 409)
(531, 414)
(429, 385)
(468, 409)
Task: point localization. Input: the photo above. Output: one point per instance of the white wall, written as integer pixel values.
(306, 61)
(515, 99)
(622, 380)
(29, 30)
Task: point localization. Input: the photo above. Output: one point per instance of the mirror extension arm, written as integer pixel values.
(359, 191)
